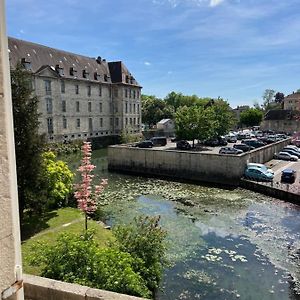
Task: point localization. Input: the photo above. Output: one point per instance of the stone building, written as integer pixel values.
(79, 97)
(292, 101)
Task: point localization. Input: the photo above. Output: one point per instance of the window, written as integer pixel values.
(126, 121)
(138, 122)
(126, 93)
(111, 121)
(126, 107)
(100, 107)
(130, 121)
(133, 94)
(117, 122)
(76, 89)
(100, 91)
(49, 105)
(111, 108)
(48, 87)
(134, 121)
(77, 123)
(130, 108)
(64, 122)
(116, 108)
(138, 94)
(63, 106)
(90, 124)
(77, 106)
(116, 92)
(134, 108)
(62, 87)
(89, 106)
(101, 122)
(129, 93)
(89, 90)
(50, 125)
(138, 108)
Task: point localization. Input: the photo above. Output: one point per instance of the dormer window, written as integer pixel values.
(97, 76)
(59, 70)
(73, 71)
(131, 80)
(105, 77)
(26, 64)
(127, 79)
(85, 74)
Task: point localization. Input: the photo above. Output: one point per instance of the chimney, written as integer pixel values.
(98, 60)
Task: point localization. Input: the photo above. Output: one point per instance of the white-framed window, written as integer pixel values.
(78, 123)
(49, 106)
(63, 106)
(100, 107)
(47, 87)
(65, 124)
(77, 106)
(89, 106)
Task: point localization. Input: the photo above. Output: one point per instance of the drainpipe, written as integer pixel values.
(10, 246)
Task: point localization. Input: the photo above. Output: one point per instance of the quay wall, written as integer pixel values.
(187, 165)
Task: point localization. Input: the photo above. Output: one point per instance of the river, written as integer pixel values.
(223, 243)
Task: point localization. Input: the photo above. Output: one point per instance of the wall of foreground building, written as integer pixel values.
(188, 165)
(10, 253)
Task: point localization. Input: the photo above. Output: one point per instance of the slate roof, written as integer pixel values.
(66, 64)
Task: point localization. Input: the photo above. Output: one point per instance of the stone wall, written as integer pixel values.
(188, 165)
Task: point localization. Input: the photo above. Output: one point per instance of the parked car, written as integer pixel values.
(291, 151)
(288, 176)
(144, 144)
(183, 145)
(260, 166)
(219, 141)
(266, 140)
(285, 156)
(253, 143)
(293, 147)
(242, 136)
(243, 147)
(230, 150)
(254, 173)
(159, 141)
(231, 138)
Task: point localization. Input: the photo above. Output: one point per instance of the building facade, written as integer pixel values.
(292, 101)
(79, 97)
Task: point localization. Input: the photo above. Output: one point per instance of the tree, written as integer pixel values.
(251, 117)
(85, 195)
(28, 143)
(58, 180)
(268, 97)
(279, 97)
(154, 110)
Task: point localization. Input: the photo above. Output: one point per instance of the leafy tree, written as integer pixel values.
(79, 259)
(251, 117)
(279, 97)
(58, 180)
(145, 241)
(268, 97)
(155, 109)
(28, 143)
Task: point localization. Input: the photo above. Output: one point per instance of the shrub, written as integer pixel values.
(144, 239)
(78, 259)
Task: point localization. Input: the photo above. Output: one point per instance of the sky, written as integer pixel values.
(235, 49)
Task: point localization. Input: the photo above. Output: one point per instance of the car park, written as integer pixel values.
(293, 147)
(243, 147)
(260, 167)
(231, 138)
(144, 144)
(254, 173)
(219, 141)
(230, 150)
(288, 176)
(285, 156)
(183, 145)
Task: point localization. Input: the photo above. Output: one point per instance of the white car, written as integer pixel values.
(286, 156)
(230, 150)
(260, 167)
(293, 147)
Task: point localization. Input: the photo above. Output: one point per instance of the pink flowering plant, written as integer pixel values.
(85, 193)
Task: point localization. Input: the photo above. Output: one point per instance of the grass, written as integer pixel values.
(45, 230)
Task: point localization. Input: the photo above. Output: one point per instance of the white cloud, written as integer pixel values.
(22, 31)
(147, 63)
(215, 2)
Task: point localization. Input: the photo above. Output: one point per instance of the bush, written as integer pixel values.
(78, 259)
(145, 241)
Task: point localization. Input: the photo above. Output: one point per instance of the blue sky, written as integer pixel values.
(230, 48)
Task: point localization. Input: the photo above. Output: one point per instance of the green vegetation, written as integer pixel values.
(251, 117)
(28, 143)
(64, 148)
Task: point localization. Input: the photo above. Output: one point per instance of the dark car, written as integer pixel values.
(183, 145)
(219, 141)
(288, 176)
(243, 147)
(253, 143)
(159, 141)
(144, 144)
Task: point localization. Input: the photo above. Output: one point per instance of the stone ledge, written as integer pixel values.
(40, 288)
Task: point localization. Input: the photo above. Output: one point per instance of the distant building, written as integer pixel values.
(281, 120)
(79, 96)
(292, 101)
(238, 110)
(167, 126)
